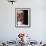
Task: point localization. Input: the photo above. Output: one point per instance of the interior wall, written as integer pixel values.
(8, 31)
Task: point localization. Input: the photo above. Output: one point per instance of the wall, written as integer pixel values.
(8, 31)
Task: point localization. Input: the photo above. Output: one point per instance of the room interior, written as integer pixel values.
(8, 31)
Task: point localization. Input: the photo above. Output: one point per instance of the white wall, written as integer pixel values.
(8, 31)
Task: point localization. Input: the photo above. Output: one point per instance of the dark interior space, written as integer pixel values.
(26, 17)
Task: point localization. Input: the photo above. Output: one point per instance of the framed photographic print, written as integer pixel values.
(22, 17)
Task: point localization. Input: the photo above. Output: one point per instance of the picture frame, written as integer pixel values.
(22, 17)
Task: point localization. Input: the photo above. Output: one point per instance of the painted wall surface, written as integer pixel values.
(37, 31)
